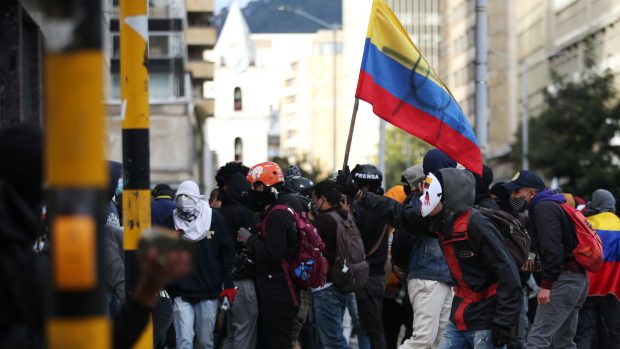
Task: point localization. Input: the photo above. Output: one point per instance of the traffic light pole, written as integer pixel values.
(76, 174)
(136, 166)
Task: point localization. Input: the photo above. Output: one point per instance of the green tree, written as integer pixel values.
(402, 150)
(573, 137)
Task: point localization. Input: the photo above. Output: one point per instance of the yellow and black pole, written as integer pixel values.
(76, 173)
(136, 165)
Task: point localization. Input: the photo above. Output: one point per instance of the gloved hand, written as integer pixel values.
(500, 335)
(229, 293)
(243, 235)
(346, 183)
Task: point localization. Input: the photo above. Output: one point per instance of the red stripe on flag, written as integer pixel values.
(418, 123)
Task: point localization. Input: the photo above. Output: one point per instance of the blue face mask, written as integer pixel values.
(119, 187)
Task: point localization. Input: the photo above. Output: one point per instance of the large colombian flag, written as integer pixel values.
(405, 91)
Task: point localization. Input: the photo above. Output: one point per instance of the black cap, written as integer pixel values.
(524, 179)
(163, 191)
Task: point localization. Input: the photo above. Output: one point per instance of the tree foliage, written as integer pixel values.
(402, 150)
(573, 137)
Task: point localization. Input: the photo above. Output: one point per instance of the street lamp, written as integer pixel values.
(334, 28)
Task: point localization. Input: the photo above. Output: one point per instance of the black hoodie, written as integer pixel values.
(280, 241)
(236, 215)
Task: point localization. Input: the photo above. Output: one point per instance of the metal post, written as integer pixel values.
(481, 117)
(525, 126)
(334, 98)
(76, 173)
(136, 165)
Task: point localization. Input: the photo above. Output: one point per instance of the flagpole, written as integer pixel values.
(351, 127)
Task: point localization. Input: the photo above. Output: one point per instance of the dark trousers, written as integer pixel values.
(594, 309)
(370, 309)
(278, 314)
(162, 320)
(396, 315)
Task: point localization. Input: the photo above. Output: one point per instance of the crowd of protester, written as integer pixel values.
(281, 262)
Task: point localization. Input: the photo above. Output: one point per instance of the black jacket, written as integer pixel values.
(372, 226)
(328, 229)
(114, 264)
(279, 241)
(487, 286)
(553, 236)
(402, 243)
(214, 258)
(237, 215)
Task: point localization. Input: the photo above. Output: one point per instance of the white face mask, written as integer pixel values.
(431, 195)
(185, 203)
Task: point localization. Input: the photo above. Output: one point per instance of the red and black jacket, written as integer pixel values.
(487, 289)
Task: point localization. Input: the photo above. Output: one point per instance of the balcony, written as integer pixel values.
(199, 5)
(204, 107)
(200, 36)
(201, 70)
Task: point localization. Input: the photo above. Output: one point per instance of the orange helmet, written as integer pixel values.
(269, 173)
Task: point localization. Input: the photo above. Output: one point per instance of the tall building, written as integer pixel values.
(178, 35)
(457, 66)
(554, 35)
(421, 19)
(365, 143)
(313, 128)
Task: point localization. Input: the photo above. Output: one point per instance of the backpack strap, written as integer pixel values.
(377, 244)
(283, 262)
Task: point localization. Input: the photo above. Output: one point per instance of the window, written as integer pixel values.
(158, 46)
(116, 46)
(238, 99)
(238, 149)
(160, 85)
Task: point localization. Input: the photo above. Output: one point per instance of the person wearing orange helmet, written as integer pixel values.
(283, 305)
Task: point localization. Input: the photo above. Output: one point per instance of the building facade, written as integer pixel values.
(457, 66)
(275, 96)
(555, 35)
(178, 35)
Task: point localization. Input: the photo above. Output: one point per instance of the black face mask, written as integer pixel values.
(314, 209)
(258, 200)
(407, 189)
(517, 204)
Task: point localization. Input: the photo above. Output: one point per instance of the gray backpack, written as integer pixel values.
(349, 271)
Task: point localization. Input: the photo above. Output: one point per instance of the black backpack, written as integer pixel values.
(515, 235)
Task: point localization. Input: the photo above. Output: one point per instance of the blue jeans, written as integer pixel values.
(194, 319)
(328, 305)
(455, 339)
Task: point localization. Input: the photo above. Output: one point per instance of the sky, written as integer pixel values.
(224, 3)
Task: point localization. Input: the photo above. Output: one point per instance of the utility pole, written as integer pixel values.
(482, 39)
(525, 121)
(136, 164)
(76, 173)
